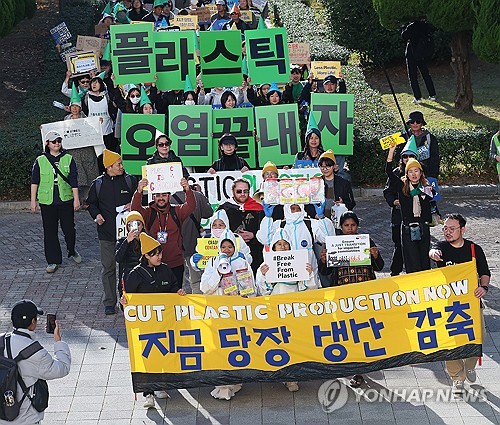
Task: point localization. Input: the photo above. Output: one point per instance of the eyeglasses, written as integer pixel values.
(325, 167)
(55, 141)
(162, 145)
(84, 81)
(269, 174)
(295, 71)
(415, 122)
(407, 156)
(240, 191)
(450, 229)
(133, 96)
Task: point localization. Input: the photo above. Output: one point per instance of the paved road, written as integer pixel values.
(98, 389)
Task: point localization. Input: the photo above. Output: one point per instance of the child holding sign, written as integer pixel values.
(227, 274)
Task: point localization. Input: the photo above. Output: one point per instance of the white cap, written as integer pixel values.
(52, 135)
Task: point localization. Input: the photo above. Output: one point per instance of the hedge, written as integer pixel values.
(13, 12)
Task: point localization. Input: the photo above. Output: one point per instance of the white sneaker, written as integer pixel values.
(76, 258)
(161, 394)
(433, 98)
(471, 375)
(292, 386)
(457, 387)
(51, 268)
(416, 101)
(150, 401)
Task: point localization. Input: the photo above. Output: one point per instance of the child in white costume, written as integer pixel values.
(218, 223)
(281, 242)
(303, 233)
(228, 274)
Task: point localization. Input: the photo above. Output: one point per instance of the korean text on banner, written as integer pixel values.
(165, 177)
(80, 63)
(387, 141)
(286, 266)
(138, 139)
(191, 133)
(278, 132)
(174, 59)
(267, 55)
(348, 250)
(220, 57)
(133, 56)
(334, 114)
(321, 69)
(178, 342)
(240, 123)
(186, 22)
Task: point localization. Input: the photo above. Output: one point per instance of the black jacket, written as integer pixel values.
(428, 142)
(229, 163)
(168, 98)
(146, 279)
(306, 91)
(342, 189)
(113, 193)
(127, 255)
(391, 195)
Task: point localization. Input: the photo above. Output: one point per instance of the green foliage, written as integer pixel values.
(30, 7)
(7, 17)
(20, 11)
(451, 15)
(301, 26)
(355, 25)
(486, 35)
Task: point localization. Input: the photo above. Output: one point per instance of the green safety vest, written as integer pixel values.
(46, 186)
(497, 145)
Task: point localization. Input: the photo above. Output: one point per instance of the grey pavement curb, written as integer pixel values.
(476, 190)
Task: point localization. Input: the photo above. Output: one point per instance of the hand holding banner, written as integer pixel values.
(164, 178)
(348, 250)
(387, 141)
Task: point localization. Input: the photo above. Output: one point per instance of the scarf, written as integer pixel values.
(417, 210)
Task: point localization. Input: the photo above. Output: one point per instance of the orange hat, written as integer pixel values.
(109, 158)
(327, 154)
(235, 9)
(412, 162)
(147, 243)
(134, 215)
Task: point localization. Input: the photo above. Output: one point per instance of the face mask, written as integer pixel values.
(189, 102)
(295, 216)
(135, 100)
(217, 232)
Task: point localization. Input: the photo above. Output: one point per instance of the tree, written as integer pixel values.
(466, 20)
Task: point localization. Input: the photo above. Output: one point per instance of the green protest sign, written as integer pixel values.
(220, 58)
(240, 123)
(175, 58)
(132, 56)
(278, 132)
(334, 114)
(191, 133)
(267, 55)
(138, 139)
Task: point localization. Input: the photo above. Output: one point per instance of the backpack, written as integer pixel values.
(172, 212)
(98, 183)
(10, 377)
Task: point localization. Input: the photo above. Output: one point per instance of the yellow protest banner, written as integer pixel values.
(186, 22)
(387, 141)
(321, 69)
(185, 341)
(208, 248)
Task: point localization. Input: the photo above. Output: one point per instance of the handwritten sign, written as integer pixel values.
(348, 250)
(186, 22)
(203, 13)
(387, 141)
(299, 53)
(94, 44)
(164, 177)
(286, 266)
(80, 63)
(246, 16)
(321, 69)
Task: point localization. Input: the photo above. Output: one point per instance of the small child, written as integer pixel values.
(228, 274)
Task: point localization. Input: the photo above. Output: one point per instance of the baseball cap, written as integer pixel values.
(24, 312)
(227, 139)
(52, 135)
(330, 79)
(220, 2)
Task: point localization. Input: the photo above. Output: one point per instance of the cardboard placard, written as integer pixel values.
(100, 30)
(95, 44)
(185, 22)
(81, 63)
(387, 141)
(321, 69)
(212, 7)
(286, 266)
(348, 250)
(299, 53)
(165, 177)
(203, 13)
(246, 16)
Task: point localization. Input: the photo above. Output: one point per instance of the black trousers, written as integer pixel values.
(397, 255)
(51, 216)
(179, 274)
(413, 66)
(416, 253)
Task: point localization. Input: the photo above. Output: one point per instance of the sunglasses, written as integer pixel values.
(55, 141)
(84, 81)
(162, 145)
(408, 156)
(415, 122)
(240, 191)
(133, 96)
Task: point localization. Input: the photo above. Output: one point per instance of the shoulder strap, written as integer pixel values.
(308, 224)
(151, 218)
(58, 171)
(98, 184)
(128, 181)
(428, 139)
(191, 216)
(27, 352)
(473, 250)
(174, 217)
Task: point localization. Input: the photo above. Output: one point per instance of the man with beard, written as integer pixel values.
(164, 223)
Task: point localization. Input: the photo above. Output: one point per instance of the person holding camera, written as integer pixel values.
(415, 195)
(37, 364)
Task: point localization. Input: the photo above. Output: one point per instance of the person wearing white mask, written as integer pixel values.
(190, 98)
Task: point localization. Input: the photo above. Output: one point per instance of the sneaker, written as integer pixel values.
(51, 268)
(433, 98)
(471, 375)
(109, 310)
(161, 394)
(416, 101)
(149, 401)
(457, 387)
(292, 386)
(76, 258)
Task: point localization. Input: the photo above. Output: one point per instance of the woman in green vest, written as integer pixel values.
(54, 181)
(495, 151)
